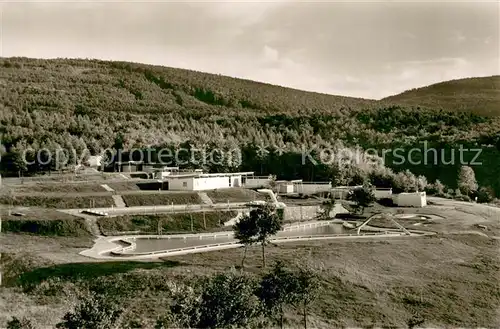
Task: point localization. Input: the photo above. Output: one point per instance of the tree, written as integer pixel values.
(228, 301)
(272, 183)
(268, 224)
(327, 206)
(184, 308)
(93, 312)
(467, 180)
(17, 160)
(277, 290)
(246, 231)
(362, 197)
(439, 187)
(422, 183)
(22, 323)
(306, 289)
(405, 181)
(119, 142)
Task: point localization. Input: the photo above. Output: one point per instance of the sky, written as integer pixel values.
(369, 49)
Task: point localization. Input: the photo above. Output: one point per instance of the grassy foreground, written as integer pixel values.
(448, 280)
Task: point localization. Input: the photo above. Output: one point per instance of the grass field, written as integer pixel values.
(56, 227)
(450, 279)
(161, 199)
(57, 202)
(124, 186)
(68, 188)
(234, 195)
(172, 223)
(42, 222)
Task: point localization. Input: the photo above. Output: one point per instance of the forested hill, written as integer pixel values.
(92, 104)
(478, 95)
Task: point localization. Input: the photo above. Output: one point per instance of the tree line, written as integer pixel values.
(95, 105)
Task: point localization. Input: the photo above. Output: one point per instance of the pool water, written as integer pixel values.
(156, 244)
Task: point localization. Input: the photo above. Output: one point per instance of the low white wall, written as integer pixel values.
(416, 199)
(312, 188)
(257, 182)
(383, 194)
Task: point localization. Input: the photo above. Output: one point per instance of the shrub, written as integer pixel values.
(485, 195)
(386, 202)
(22, 323)
(465, 198)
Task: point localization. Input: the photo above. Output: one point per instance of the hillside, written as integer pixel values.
(478, 95)
(93, 105)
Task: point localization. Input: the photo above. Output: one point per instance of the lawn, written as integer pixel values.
(161, 199)
(170, 223)
(57, 202)
(124, 186)
(448, 280)
(234, 195)
(59, 188)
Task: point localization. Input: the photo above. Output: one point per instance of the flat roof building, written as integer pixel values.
(199, 181)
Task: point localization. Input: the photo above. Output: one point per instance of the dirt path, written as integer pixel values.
(205, 198)
(91, 223)
(119, 201)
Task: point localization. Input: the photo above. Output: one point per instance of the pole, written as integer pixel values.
(204, 220)
(191, 217)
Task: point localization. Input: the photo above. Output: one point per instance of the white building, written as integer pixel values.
(199, 181)
(383, 193)
(287, 187)
(415, 199)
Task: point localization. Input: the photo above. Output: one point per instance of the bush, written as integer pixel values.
(22, 323)
(435, 189)
(485, 195)
(94, 311)
(465, 198)
(386, 202)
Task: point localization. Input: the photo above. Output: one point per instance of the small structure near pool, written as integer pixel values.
(415, 199)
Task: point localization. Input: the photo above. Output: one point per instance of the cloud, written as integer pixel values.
(365, 49)
(270, 54)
